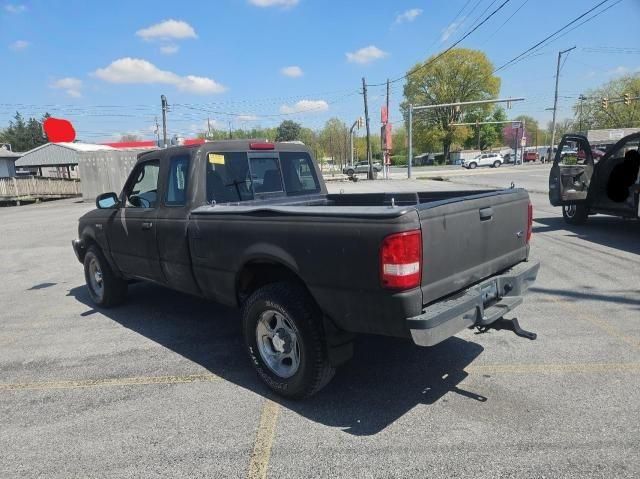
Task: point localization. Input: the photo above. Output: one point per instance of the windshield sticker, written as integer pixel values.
(216, 159)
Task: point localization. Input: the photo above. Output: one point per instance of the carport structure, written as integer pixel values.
(56, 160)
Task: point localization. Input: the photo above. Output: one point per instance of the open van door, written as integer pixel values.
(571, 172)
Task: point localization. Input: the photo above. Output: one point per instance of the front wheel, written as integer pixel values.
(496, 164)
(285, 341)
(350, 172)
(575, 214)
(472, 166)
(105, 288)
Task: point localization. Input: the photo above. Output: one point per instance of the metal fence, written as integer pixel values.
(26, 188)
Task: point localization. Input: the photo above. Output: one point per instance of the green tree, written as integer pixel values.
(590, 115)
(334, 140)
(490, 135)
(459, 75)
(288, 131)
(23, 135)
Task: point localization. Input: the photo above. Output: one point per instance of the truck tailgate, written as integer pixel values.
(468, 240)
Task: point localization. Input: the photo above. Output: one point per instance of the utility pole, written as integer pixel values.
(157, 132)
(555, 100)
(356, 124)
(581, 98)
(163, 100)
(410, 149)
(478, 127)
(386, 162)
(208, 128)
(366, 119)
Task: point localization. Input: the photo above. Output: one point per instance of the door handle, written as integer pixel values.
(486, 214)
(147, 225)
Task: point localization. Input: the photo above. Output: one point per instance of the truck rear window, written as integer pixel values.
(233, 177)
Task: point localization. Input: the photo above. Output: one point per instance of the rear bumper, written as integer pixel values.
(445, 318)
(78, 249)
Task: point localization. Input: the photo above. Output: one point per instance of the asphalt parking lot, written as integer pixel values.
(161, 386)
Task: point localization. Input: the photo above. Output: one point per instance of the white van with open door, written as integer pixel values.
(584, 185)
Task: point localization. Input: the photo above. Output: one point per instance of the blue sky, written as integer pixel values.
(104, 65)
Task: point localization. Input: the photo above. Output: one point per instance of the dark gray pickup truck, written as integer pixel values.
(250, 224)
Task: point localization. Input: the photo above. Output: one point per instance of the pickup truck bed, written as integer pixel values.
(418, 265)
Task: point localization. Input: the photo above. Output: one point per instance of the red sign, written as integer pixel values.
(59, 130)
(384, 115)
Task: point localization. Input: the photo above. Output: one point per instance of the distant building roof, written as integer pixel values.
(51, 154)
(4, 153)
(610, 135)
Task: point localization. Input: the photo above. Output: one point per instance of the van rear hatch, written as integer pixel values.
(471, 239)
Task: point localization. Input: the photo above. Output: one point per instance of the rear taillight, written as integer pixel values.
(264, 145)
(401, 260)
(529, 222)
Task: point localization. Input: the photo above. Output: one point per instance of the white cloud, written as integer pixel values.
(135, 70)
(292, 71)
(450, 30)
(70, 85)
(15, 8)
(274, 3)
(169, 49)
(247, 118)
(366, 55)
(166, 29)
(305, 106)
(19, 45)
(622, 70)
(408, 16)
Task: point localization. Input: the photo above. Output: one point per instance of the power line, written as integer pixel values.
(434, 59)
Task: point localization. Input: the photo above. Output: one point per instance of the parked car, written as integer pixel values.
(530, 156)
(584, 185)
(362, 167)
(250, 224)
(485, 159)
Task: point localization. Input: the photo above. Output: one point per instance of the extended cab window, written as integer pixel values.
(177, 184)
(265, 175)
(298, 172)
(143, 192)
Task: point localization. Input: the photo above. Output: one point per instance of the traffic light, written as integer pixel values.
(360, 122)
(605, 103)
(627, 99)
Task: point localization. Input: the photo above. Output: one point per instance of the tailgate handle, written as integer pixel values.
(486, 214)
(147, 225)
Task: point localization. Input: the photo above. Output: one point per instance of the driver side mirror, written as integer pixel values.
(107, 201)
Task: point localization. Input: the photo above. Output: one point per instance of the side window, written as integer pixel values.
(228, 178)
(177, 184)
(298, 173)
(265, 175)
(628, 149)
(143, 192)
(574, 151)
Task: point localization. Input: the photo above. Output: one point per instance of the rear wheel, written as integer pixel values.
(105, 288)
(575, 214)
(284, 337)
(472, 166)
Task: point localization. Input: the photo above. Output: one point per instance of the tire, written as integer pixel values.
(105, 288)
(350, 172)
(496, 164)
(472, 166)
(575, 214)
(286, 309)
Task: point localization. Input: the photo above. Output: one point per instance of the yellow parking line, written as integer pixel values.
(264, 440)
(581, 313)
(106, 382)
(552, 368)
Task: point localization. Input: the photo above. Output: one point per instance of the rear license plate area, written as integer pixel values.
(489, 293)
